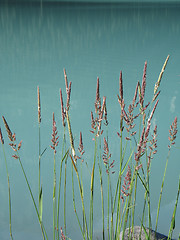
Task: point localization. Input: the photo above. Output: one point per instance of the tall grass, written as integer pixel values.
(137, 148)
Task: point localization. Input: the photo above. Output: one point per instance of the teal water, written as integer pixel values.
(90, 41)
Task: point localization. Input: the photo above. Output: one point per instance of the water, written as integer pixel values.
(36, 43)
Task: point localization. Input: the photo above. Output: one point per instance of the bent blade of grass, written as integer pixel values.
(172, 226)
(147, 190)
(146, 234)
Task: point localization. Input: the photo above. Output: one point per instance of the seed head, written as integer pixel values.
(1, 137)
(54, 139)
(172, 132)
(39, 105)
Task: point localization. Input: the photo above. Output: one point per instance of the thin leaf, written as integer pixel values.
(142, 182)
(146, 235)
(43, 151)
(127, 161)
(40, 204)
(75, 168)
(172, 226)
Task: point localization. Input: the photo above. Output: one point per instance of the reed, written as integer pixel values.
(137, 148)
(9, 192)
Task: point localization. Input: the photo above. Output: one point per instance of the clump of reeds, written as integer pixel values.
(136, 138)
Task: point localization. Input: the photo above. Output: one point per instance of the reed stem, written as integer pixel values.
(9, 195)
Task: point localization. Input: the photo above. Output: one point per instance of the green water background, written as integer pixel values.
(36, 43)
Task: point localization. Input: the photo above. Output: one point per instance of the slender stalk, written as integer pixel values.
(9, 193)
(39, 180)
(65, 167)
(129, 201)
(91, 199)
(74, 205)
(60, 178)
(108, 207)
(54, 199)
(159, 203)
(81, 194)
(172, 226)
(118, 216)
(134, 204)
(32, 197)
(102, 200)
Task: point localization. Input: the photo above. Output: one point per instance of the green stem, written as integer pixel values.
(9, 193)
(41, 225)
(65, 195)
(172, 226)
(54, 199)
(60, 177)
(83, 233)
(102, 199)
(161, 191)
(81, 194)
(39, 185)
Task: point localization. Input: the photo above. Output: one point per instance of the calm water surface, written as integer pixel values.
(36, 43)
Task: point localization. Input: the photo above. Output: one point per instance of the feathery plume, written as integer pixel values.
(144, 81)
(68, 96)
(54, 139)
(157, 84)
(126, 185)
(101, 114)
(81, 147)
(172, 132)
(1, 137)
(62, 108)
(39, 105)
(135, 95)
(106, 158)
(10, 135)
(120, 86)
(140, 149)
(98, 99)
(66, 81)
(105, 115)
(152, 147)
